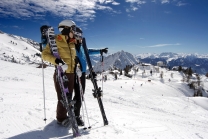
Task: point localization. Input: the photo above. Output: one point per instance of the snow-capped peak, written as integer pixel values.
(119, 60)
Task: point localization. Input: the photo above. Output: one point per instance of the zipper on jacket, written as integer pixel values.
(71, 55)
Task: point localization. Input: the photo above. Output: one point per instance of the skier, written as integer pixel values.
(80, 58)
(151, 72)
(66, 49)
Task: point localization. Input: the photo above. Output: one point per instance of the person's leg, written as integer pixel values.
(61, 113)
(77, 98)
(70, 77)
(77, 105)
(83, 79)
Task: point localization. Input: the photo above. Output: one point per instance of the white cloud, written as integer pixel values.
(165, 1)
(181, 4)
(131, 1)
(161, 45)
(129, 15)
(112, 2)
(134, 8)
(17, 27)
(167, 12)
(136, 1)
(135, 4)
(115, 3)
(80, 9)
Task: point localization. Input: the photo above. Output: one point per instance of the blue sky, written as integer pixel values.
(135, 26)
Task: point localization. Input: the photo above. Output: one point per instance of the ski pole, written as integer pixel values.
(86, 113)
(82, 99)
(102, 69)
(43, 85)
(81, 92)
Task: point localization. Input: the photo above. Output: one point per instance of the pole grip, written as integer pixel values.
(41, 48)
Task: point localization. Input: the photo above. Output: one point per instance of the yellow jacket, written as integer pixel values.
(66, 51)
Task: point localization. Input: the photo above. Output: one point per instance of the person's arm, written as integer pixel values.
(93, 51)
(97, 51)
(47, 56)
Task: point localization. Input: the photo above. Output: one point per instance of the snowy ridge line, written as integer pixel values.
(18, 51)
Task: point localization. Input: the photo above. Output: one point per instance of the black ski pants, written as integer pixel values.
(77, 97)
(61, 112)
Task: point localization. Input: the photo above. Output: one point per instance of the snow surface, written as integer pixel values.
(18, 49)
(135, 108)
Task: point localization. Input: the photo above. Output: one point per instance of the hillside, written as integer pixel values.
(135, 108)
(17, 49)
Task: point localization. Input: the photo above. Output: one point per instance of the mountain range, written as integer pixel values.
(22, 50)
(117, 60)
(197, 62)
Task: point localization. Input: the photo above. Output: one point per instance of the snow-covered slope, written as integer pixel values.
(135, 108)
(18, 49)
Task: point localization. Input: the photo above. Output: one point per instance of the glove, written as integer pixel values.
(79, 72)
(59, 61)
(105, 50)
(64, 67)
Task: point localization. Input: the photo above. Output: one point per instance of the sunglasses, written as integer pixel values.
(69, 29)
(77, 35)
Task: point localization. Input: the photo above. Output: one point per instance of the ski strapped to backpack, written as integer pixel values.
(97, 90)
(48, 36)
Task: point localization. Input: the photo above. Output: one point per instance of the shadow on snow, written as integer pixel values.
(52, 130)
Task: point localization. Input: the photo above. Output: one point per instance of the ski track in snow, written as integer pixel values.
(155, 110)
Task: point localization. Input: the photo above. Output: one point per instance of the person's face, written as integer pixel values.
(72, 30)
(71, 35)
(80, 40)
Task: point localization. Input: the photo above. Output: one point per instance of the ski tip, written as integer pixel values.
(84, 128)
(89, 127)
(43, 27)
